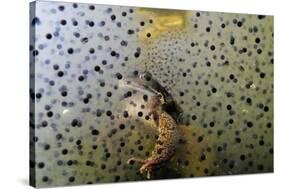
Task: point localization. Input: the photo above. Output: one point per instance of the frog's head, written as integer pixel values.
(156, 102)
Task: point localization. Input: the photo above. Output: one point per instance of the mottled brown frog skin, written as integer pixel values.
(167, 139)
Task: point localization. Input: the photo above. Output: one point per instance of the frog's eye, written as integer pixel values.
(147, 76)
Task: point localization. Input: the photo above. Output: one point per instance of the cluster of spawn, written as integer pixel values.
(87, 118)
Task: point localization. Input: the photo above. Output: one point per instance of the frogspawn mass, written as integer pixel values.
(104, 78)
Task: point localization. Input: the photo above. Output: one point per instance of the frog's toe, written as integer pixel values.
(133, 159)
(148, 175)
(142, 169)
(130, 161)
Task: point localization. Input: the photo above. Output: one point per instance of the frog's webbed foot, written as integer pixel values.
(146, 167)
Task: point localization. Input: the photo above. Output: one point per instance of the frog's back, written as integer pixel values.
(168, 137)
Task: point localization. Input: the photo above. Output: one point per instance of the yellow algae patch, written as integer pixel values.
(163, 20)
